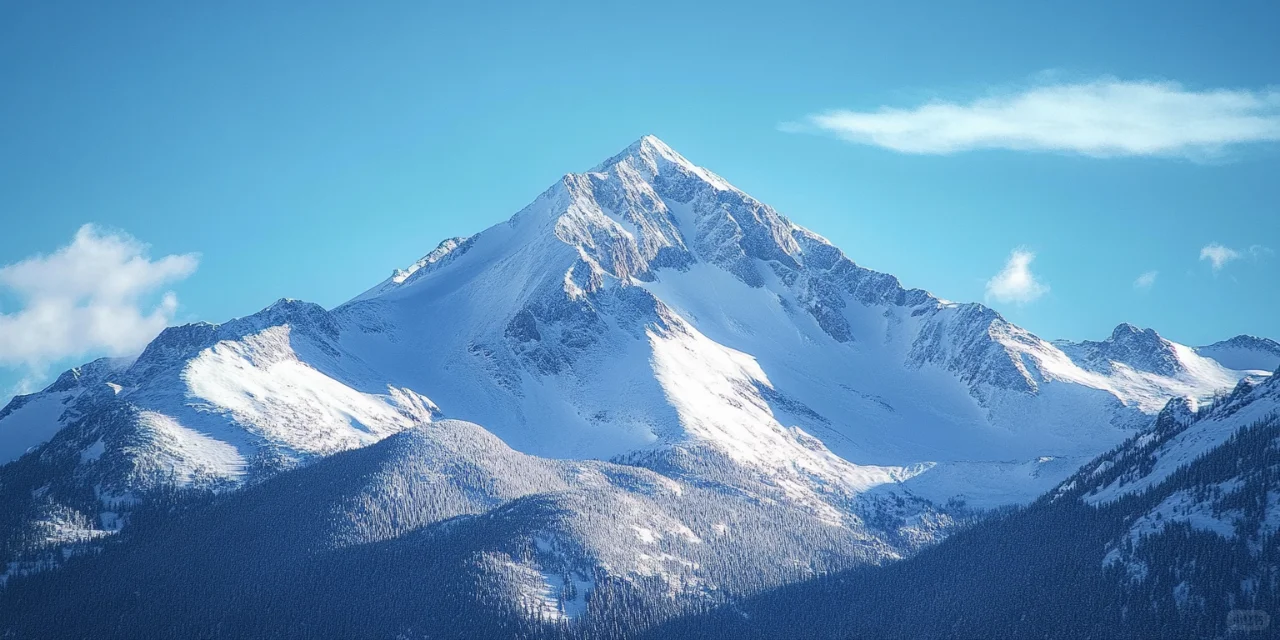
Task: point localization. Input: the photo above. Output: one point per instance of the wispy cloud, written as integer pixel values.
(1101, 118)
(1146, 280)
(1218, 255)
(87, 296)
(1016, 283)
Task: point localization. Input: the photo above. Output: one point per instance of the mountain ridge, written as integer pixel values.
(632, 217)
(646, 314)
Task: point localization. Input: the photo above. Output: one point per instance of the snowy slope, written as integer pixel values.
(273, 381)
(1172, 534)
(546, 538)
(1183, 433)
(1198, 499)
(596, 520)
(31, 420)
(204, 406)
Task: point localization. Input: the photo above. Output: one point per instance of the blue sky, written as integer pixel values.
(305, 151)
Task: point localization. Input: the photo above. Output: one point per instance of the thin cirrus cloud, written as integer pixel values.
(88, 296)
(1145, 281)
(1101, 118)
(1219, 255)
(1016, 283)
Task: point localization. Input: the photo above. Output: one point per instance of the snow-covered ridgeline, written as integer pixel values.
(646, 312)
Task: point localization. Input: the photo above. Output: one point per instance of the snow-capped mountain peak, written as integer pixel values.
(1245, 353)
(651, 157)
(645, 312)
(1131, 346)
(608, 268)
(603, 318)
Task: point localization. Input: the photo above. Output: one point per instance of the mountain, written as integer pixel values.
(30, 420)
(203, 406)
(374, 541)
(1170, 535)
(642, 331)
(1136, 350)
(648, 303)
(1245, 353)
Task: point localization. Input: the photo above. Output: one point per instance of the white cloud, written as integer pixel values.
(1218, 255)
(1103, 118)
(87, 296)
(1015, 282)
(1146, 280)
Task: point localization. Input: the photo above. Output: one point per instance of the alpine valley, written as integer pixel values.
(647, 404)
